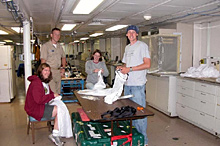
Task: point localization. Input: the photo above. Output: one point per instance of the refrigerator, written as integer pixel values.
(7, 74)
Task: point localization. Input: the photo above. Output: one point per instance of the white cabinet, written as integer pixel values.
(187, 113)
(160, 93)
(217, 112)
(196, 103)
(150, 89)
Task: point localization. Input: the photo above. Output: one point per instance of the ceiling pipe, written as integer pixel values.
(14, 10)
(60, 13)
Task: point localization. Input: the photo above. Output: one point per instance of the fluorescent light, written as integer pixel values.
(8, 41)
(147, 17)
(95, 34)
(86, 6)
(19, 44)
(2, 42)
(3, 32)
(96, 23)
(67, 27)
(82, 39)
(17, 29)
(116, 27)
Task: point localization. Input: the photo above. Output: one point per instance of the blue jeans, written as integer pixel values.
(139, 98)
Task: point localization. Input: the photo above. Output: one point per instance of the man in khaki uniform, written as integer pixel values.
(52, 53)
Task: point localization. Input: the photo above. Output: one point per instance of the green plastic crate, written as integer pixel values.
(92, 134)
(83, 137)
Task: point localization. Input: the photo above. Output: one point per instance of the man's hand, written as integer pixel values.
(125, 70)
(118, 67)
(62, 72)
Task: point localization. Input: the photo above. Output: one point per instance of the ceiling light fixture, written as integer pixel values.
(2, 42)
(96, 23)
(86, 6)
(17, 29)
(19, 44)
(82, 39)
(95, 34)
(8, 41)
(147, 17)
(3, 32)
(116, 27)
(68, 27)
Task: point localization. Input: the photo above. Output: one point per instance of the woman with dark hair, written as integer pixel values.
(93, 66)
(37, 99)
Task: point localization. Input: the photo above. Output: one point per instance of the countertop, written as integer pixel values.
(167, 74)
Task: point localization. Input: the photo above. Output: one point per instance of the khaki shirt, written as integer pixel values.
(52, 55)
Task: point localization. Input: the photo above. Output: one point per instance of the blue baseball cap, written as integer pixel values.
(133, 27)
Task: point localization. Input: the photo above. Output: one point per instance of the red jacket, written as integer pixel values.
(36, 98)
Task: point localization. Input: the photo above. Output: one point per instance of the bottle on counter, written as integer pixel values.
(217, 65)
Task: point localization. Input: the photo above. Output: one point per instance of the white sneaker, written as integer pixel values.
(56, 140)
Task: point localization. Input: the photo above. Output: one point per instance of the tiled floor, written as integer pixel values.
(162, 130)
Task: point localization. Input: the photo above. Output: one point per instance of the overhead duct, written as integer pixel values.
(14, 10)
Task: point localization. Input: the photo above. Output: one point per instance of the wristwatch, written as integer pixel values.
(131, 69)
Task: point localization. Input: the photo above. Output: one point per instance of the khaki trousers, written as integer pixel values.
(55, 83)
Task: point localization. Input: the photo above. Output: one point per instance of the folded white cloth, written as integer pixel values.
(64, 121)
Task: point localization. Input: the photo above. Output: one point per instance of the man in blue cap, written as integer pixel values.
(136, 61)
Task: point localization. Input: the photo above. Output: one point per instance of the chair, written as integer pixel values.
(31, 124)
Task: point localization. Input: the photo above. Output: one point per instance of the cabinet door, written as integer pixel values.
(204, 87)
(186, 83)
(204, 96)
(206, 102)
(151, 89)
(217, 112)
(206, 121)
(185, 90)
(181, 110)
(218, 91)
(187, 113)
(217, 126)
(187, 101)
(162, 93)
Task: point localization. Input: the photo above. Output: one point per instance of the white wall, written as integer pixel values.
(206, 41)
(123, 45)
(102, 45)
(186, 31)
(115, 48)
(96, 45)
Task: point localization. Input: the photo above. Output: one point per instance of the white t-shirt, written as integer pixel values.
(46, 88)
(133, 56)
(55, 45)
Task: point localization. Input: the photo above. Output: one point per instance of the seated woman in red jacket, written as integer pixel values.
(38, 96)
